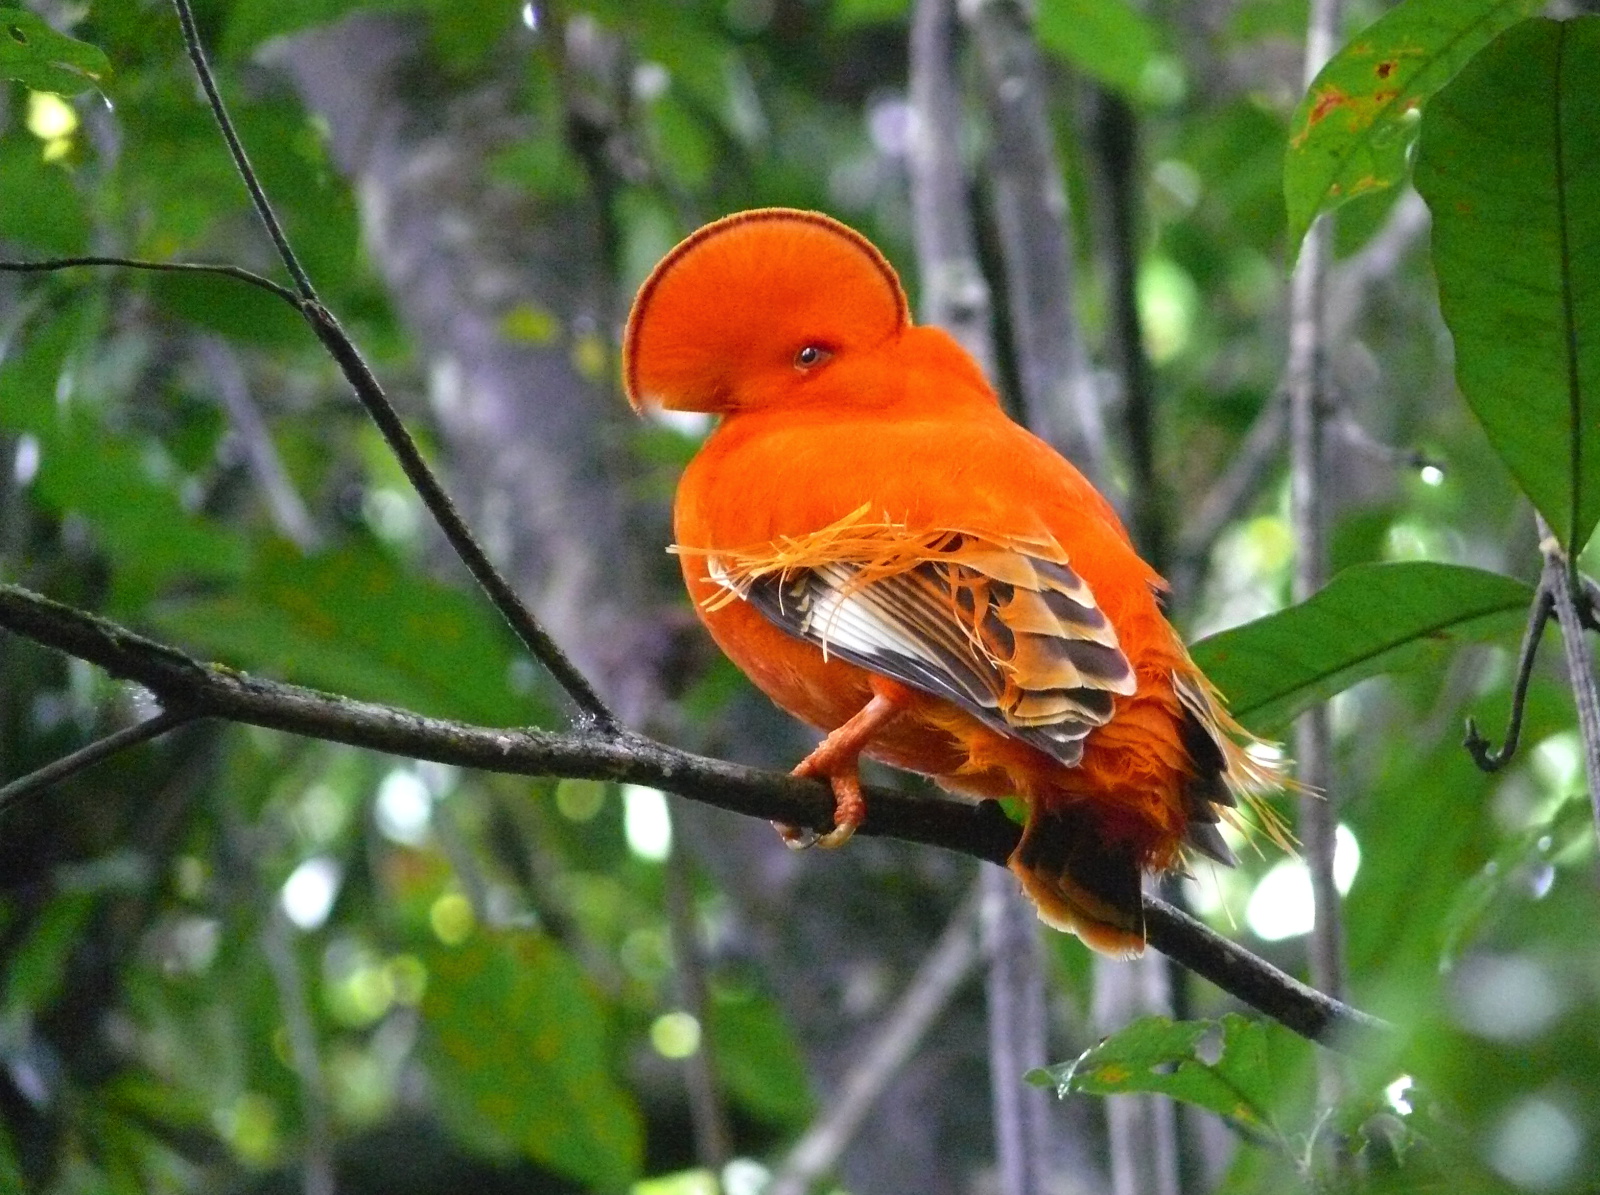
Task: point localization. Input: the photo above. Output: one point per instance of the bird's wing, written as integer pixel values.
(1003, 628)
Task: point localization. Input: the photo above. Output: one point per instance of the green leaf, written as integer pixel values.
(1510, 166)
(845, 14)
(1109, 40)
(37, 968)
(35, 55)
(232, 308)
(516, 1046)
(1353, 130)
(352, 622)
(757, 1059)
(39, 206)
(1227, 1067)
(1369, 619)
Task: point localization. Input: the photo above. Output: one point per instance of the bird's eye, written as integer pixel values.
(810, 357)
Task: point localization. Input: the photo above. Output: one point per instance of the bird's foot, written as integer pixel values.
(849, 806)
(837, 758)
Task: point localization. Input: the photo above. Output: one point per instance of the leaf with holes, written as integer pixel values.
(1234, 1067)
(1352, 132)
(35, 55)
(1369, 619)
(1509, 163)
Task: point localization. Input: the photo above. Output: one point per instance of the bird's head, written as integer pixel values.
(754, 308)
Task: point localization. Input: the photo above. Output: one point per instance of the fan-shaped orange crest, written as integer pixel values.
(744, 296)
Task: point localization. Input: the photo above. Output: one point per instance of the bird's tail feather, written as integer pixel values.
(1079, 882)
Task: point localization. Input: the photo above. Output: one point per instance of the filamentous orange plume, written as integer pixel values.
(893, 560)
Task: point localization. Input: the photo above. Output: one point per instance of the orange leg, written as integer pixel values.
(837, 757)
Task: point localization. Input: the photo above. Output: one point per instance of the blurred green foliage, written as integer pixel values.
(230, 950)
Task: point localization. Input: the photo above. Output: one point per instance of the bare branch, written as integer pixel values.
(85, 757)
(979, 829)
(1305, 379)
(377, 404)
(944, 969)
(1575, 645)
(238, 273)
(258, 196)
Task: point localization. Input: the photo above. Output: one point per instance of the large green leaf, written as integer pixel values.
(1108, 39)
(1369, 619)
(1510, 165)
(353, 622)
(1232, 1067)
(516, 1045)
(36, 55)
(1353, 130)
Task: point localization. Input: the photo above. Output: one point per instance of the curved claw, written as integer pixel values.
(849, 807)
(836, 758)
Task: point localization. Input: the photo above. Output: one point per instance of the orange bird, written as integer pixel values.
(892, 559)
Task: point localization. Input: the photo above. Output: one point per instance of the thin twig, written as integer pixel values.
(1575, 646)
(980, 829)
(943, 971)
(85, 757)
(708, 1116)
(1114, 142)
(258, 196)
(1306, 382)
(238, 273)
(382, 412)
(504, 597)
(1486, 757)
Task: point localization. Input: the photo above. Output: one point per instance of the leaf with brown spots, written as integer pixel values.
(1353, 130)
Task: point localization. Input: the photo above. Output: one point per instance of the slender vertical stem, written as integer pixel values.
(944, 969)
(958, 299)
(1034, 221)
(1306, 383)
(1575, 649)
(708, 1117)
(1013, 983)
(954, 293)
(1114, 139)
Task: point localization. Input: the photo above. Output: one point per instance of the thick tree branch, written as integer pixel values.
(980, 830)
